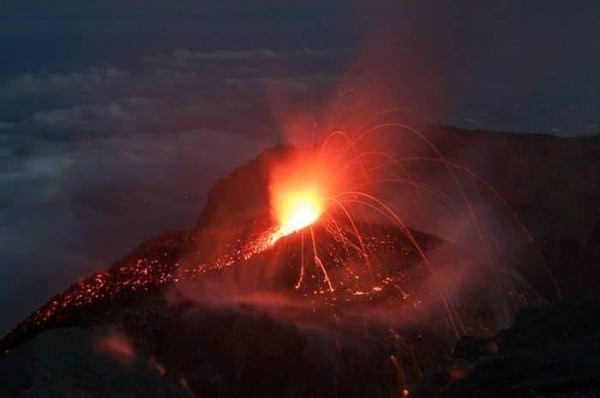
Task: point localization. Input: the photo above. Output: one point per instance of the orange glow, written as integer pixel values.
(116, 345)
(297, 196)
(297, 209)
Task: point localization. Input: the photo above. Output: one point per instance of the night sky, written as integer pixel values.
(116, 118)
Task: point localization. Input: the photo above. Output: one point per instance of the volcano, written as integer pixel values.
(207, 296)
(218, 312)
(185, 309)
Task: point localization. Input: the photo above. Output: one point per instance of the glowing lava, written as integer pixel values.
(299, 192)
(296, 209)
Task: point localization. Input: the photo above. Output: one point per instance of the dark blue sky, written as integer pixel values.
(117, 116)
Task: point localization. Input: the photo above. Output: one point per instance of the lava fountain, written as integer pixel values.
(296, 210)
(297, 195)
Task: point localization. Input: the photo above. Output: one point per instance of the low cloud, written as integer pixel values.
(184, 54)
(29, 84)
(71, 208)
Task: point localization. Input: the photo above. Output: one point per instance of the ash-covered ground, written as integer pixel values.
(186, 314)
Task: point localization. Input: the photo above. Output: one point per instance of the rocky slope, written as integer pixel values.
(549, 352)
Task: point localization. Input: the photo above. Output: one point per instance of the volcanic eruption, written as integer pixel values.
(301, 261)
(296, 210)
(311, 263)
